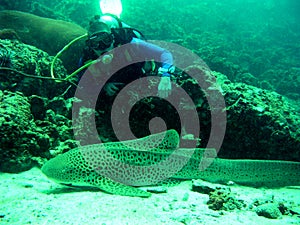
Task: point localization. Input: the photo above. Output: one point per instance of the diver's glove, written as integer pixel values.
(164, 87)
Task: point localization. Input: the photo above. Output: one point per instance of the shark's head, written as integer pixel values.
(68, 168)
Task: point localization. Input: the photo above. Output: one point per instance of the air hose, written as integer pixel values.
(61, 51)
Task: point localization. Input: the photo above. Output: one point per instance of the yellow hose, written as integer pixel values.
(79, 69)
(61, 51)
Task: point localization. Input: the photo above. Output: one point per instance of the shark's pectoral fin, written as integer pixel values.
(113, 187)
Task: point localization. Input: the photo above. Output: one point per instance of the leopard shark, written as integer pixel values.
(121, 167)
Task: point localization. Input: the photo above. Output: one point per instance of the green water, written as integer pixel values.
(255, 42)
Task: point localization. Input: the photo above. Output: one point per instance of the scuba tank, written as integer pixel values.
(115, 23)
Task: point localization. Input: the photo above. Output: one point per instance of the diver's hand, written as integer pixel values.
(164, 87)
(111, 88)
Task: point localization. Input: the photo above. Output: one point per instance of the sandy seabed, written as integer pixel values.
(30, 198)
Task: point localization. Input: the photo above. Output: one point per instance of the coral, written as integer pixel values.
(223, 199)
(260, 123)
(274, 208)
(30, 60)
(26, 141)
(259, 119)
(20, 138)
(256, 118)
(6, 58)
(34, 113)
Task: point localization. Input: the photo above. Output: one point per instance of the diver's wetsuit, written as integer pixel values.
(141, 49)
(145, 50)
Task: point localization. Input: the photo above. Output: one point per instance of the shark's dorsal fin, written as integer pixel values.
(163, 141)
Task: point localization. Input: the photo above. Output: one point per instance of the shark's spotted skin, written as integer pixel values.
(87, 165)
(116, 167)
(72, 169)
(257, 173)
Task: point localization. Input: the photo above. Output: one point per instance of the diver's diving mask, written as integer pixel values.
(100, 40)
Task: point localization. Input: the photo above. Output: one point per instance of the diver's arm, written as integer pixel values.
(151, 51)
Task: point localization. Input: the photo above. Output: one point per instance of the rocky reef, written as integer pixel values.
(223, 198)
(35, 116)
(260, 124)
(36, 111)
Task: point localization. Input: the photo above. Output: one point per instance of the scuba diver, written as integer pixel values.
(107, 32)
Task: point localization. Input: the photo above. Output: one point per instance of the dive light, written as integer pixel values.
(111, 6)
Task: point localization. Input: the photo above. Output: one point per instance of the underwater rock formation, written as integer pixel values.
(30, 60)
(269, 210)
(260, 124)
(223, 199)
(25, 140)
(46, 34)
(35, 117)
(20, 138)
